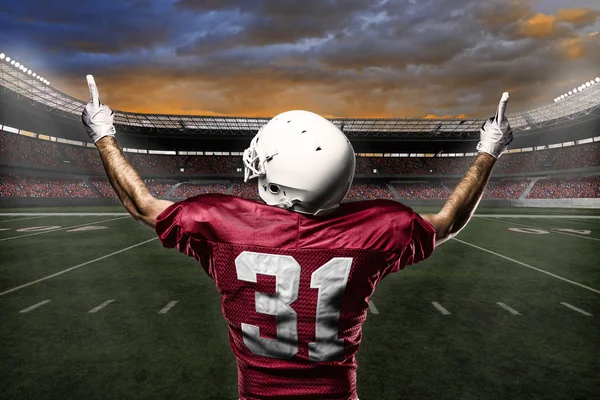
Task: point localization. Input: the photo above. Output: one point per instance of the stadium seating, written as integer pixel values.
(24, 186)
(23, 149)
(421, 190)
(247, 190)
(188, 190)
(566, 188)
(157, 187)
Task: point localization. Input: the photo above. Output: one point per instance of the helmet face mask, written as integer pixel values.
(302, 161)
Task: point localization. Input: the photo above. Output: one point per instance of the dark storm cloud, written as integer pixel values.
(344, 58)
(105, 27)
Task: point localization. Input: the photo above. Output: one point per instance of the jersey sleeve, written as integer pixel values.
(185, 226)
(413, 240)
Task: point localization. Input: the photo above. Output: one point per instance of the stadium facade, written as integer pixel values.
(414, 159)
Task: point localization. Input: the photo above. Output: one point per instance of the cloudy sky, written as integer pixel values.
(346, 58)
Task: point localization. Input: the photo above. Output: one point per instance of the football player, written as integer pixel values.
(296, 271)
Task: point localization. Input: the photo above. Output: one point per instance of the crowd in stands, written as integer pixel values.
(498, 189)
(194, 189)
(247, 190)
(360, 191)
(156, 187)
(584, 187)
(12, 185)
(505, 189)
(421, 190)
(25, 186)
(23, 149)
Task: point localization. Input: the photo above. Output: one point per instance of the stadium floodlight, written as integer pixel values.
(597, 80)
(7, 59)
(588, 84)
(34, 74)
(48, 83)
(12, 62)
(17, 64)
(555, 100)
(570, 92)
(2, 55)
(28, 72)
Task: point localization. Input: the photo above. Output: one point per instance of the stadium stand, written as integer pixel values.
(35, 152)
(157, 187)
(194, 189)
(246, 190)
(421, 190)
(23, 186)
(582, 187)
(369, 191)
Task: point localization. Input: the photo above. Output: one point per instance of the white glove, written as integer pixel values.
(496, 133)
(97, 117)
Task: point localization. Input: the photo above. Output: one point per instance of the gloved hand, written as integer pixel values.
(97, 117)
(496, 133)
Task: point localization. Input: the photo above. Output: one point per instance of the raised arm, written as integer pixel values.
(496, 135)
(130, 188)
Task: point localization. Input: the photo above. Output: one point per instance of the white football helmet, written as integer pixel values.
(303, 163)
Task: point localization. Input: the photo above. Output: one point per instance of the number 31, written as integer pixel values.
(330, 280)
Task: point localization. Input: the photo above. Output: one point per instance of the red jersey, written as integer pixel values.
(295, 288)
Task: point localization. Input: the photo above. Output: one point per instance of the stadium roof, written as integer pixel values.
(41, 94)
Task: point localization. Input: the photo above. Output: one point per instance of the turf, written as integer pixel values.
(409, 350)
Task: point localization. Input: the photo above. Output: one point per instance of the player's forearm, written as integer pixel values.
(128, 185)
(463, 201)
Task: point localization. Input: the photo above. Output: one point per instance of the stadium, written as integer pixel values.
(507, 310)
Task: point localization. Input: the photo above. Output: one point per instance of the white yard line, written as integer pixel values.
(100, 307)
(372, 308)
(63, 214)
(75, 267)
(168, 307)
(509, 309)
(440, 308)
(33, 307)
(544, 228)
(579, 310)
(59, 229)
(19, 219)
(528, 266)
(536, 216)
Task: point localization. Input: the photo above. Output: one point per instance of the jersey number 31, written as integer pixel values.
(330, 280)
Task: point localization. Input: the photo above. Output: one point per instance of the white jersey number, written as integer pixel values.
(330, 280)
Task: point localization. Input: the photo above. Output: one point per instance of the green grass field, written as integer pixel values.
(410, 348)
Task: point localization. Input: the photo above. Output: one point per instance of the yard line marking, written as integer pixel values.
(168, 307)
(75, 267)
(536, 216)
(100, 307)
(33, 307)
(528, 266)
(59, 229)
(440, 308)
(19, 219)
(509, 309)
(579, 310)
(64, 214)
(541, 227)
(372, 308)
